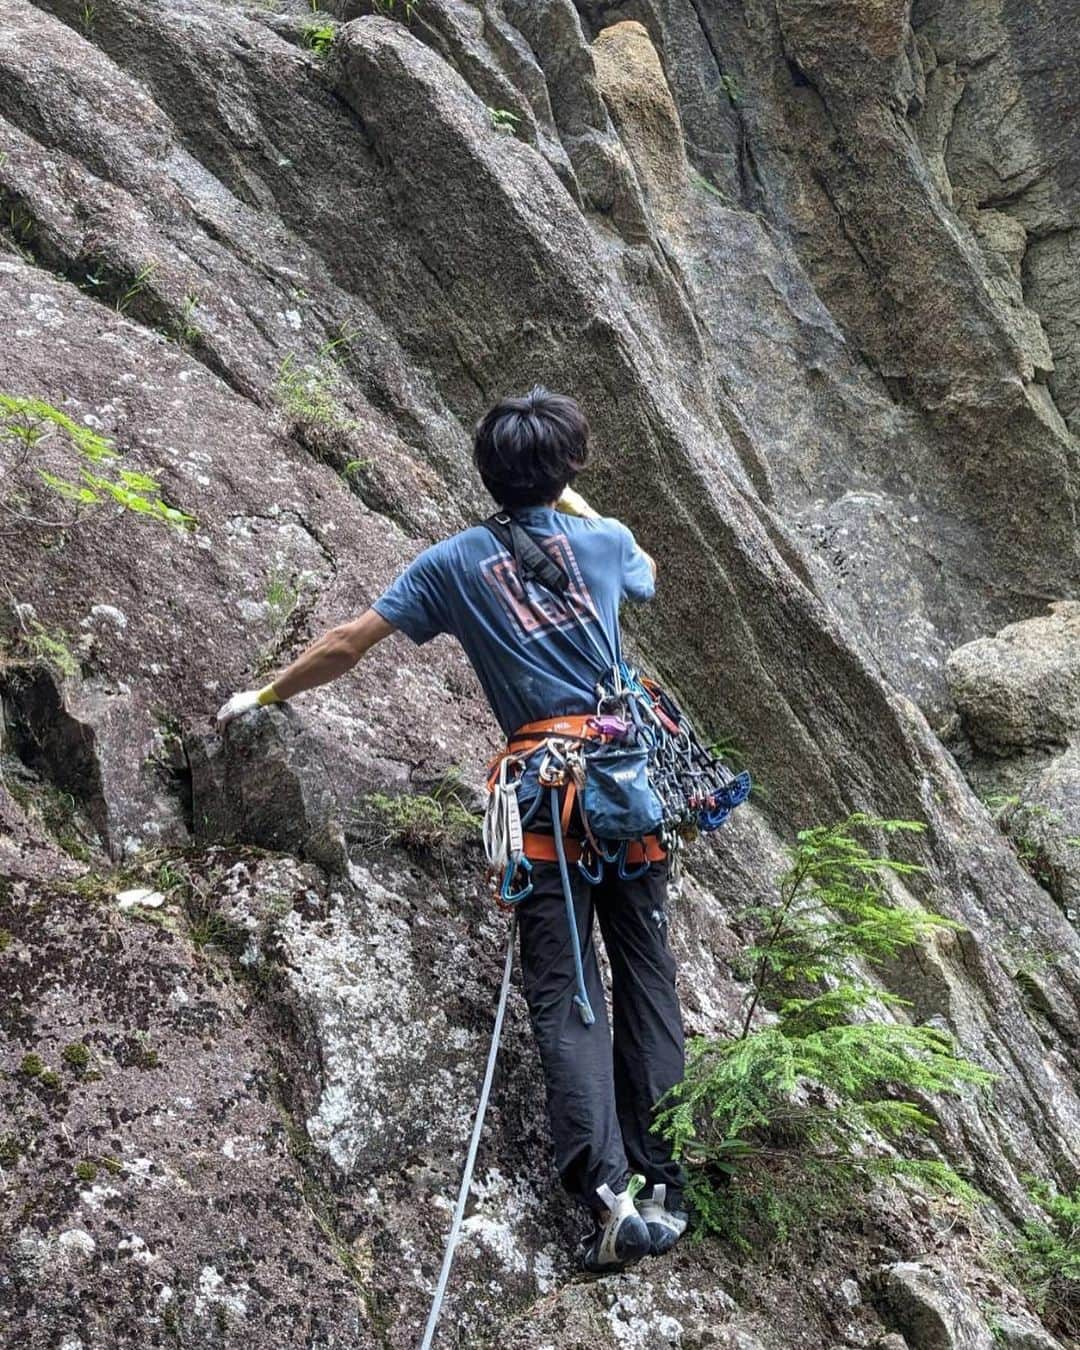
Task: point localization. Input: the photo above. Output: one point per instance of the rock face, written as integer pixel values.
(1020, 689)
(809, 269)
(1018, 732)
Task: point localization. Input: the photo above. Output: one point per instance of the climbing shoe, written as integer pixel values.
(666, 1226)
(620, 1237)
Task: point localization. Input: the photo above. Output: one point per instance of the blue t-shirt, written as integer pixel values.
(528, 651)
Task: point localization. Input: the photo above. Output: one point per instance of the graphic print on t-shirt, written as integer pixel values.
(540, 612)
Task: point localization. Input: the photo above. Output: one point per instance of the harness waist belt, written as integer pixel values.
(571, 724)
(541, 848)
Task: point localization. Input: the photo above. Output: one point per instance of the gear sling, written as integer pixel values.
(598, 762)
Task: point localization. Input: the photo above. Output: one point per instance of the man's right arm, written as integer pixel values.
(414, 603)
(329, 656)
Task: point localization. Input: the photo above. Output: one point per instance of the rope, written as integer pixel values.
(474, 1144)
(581, 998)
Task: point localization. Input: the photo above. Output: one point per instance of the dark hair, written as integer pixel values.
(529, 448)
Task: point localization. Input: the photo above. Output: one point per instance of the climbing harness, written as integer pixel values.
(696, 791)
(474, 1144)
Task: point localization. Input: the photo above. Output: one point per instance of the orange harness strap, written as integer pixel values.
(569, 794)
(541, 848)
(572, 726)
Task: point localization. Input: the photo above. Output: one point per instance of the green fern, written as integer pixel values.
(792, 1119)
(1046, 1260)
(310, 393)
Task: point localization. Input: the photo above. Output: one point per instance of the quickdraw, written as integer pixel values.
(698, 790)
(504, 834)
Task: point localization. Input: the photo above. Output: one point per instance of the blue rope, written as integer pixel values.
(581, 998)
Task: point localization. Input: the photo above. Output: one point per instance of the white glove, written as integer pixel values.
(245, 702)
(572, 503)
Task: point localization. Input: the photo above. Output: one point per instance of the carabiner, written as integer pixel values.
(507, 894)
(597, 875)
(624, 873)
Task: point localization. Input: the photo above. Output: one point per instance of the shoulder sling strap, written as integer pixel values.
(533, 562)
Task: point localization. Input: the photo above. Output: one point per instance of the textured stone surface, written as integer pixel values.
(1020, 689)
(931, 1308)
(1021, 1334)
(808, 268)
(1046, 821)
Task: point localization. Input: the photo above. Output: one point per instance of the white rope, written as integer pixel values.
(474, 1144)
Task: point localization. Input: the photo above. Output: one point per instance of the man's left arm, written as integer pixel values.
(328, 657)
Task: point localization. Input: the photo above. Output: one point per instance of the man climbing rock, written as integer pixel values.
(535, 654)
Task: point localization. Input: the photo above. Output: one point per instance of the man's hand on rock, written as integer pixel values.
(244, 702)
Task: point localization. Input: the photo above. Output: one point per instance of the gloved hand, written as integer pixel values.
(574, 504)
(244, 702)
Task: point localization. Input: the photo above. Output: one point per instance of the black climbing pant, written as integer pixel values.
(601, 1088)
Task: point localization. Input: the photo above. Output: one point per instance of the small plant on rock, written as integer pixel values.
(798, 1116)
(1045, 1262)
(20, 230)
(52, 648)
(282, 595)
(730, 86)
(699, 180)
(89, 479)
(139, 283)
(310, 392)
(31, 1065)
(77, 1055)
(319, 37)
(437, 822)
(392, 8)
(188, 332)
(1020, 822)
(354, 469)
(502, 119)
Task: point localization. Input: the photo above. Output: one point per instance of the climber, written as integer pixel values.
(528, 654)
